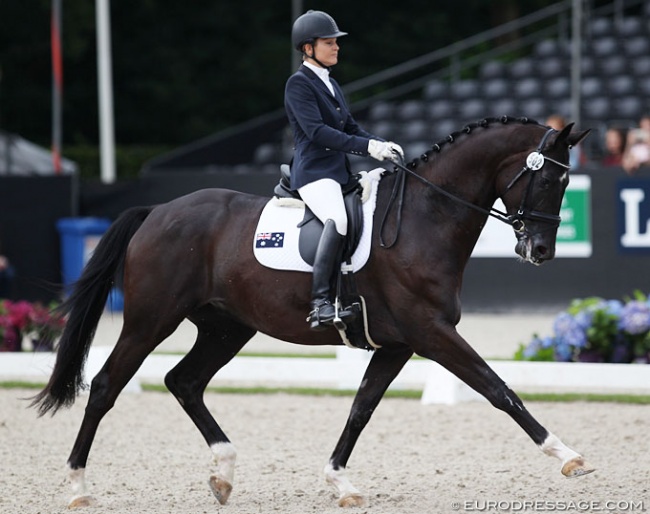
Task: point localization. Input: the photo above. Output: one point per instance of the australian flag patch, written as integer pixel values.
(269, 240)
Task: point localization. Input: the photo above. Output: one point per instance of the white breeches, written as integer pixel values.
(325, 199)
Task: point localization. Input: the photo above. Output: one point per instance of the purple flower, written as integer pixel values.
(533, 347)
(614, 307)
(548, 342)
(635, 317)
(583, 319)
(563, 352)
(568, 331)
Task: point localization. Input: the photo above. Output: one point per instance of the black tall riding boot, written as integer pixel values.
(328, 257)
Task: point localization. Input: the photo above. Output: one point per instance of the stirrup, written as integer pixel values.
(314, 318)
(342, 316)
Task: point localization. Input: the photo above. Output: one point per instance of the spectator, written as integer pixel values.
(576, 158)
(614, 147)
(637, 148)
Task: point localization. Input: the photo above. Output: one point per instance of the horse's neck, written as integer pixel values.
(468, 177)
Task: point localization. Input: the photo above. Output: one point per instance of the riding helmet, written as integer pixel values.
(312, 25)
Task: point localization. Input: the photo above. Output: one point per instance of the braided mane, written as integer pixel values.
(485, 122)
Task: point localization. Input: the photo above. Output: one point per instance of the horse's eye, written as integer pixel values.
(544, 183)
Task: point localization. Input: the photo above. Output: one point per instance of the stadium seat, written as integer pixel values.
(604, 46)
(636, 46)
(496, 88)
(558, 87)
(600, 27)
(550, 67)
(503, 106)
(597, 108)
(628, 107)
(640, 66)
(386, 129)
(535, 108)
(435, 89)
(612, 65)
(415, 130)
(493, 69)
(621, 85)
(443, 128)
(528, 88)
(438, 109)
(550, 48)
(382, 111)
(591, 86)
(630, 27)
(464, 89)
(472, 110)
(411, 110)
(415, 149)
(522, 68)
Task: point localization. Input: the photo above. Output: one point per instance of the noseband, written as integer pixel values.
(534, 162)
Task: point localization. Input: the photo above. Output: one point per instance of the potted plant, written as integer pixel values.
(42, 324)
(596, 330)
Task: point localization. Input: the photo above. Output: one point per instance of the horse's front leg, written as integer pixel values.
(384, 366)
(219, 339)
(455, 354)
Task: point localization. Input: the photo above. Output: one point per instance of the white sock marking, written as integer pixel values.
(337, 478)
(555, 448)
(78, 482)
(224, 456)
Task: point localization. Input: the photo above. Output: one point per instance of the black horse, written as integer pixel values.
(192, 259)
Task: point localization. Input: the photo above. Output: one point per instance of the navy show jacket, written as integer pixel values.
(324, 131)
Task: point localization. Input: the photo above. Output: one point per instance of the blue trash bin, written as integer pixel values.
(79, 237)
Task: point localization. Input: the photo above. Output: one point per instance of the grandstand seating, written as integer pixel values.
(615, 89)
(615, 86)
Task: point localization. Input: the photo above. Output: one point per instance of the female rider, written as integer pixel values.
(324, 131)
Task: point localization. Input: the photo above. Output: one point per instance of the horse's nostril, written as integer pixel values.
(541, 250)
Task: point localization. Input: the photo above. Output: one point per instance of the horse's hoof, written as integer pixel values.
(220, 488)
(352, 500)
(82, 501)
(577, 467)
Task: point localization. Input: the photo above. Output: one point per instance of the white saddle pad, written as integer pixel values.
(275, 243)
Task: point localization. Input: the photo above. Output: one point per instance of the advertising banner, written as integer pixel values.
(633, 216)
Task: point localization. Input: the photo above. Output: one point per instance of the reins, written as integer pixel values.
(534, 162)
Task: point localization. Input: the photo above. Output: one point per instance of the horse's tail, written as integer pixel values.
(84, 307)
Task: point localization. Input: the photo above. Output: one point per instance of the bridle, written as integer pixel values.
(534, 162)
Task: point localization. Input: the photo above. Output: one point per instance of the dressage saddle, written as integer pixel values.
(311, 227)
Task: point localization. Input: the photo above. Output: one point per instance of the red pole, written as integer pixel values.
(57, 84)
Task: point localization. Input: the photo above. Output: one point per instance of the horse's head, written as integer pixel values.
(533, 194)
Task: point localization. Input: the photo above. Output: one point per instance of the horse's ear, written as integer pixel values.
(571, 138)
(576, 137)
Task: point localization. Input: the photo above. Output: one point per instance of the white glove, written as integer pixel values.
(385, 150)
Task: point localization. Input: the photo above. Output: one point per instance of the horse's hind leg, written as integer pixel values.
(384, 366)
(468, 366)
(136, 341)
(218, 341)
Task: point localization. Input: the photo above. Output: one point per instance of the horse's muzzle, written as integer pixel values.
(535, 249)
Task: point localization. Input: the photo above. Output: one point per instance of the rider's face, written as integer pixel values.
(327, 51)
